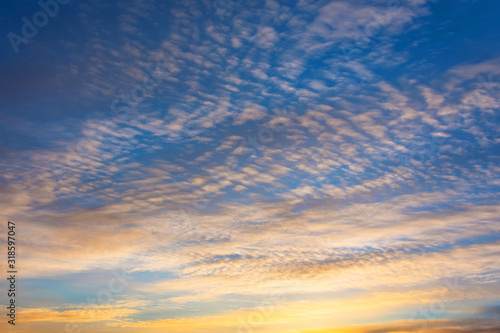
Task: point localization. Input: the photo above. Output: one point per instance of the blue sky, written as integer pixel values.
(342, 153)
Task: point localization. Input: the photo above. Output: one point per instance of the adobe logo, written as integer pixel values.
(50, 8)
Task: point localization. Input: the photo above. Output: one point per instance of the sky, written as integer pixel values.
(235, 166)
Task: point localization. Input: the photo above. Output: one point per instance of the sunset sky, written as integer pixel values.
(220, 166)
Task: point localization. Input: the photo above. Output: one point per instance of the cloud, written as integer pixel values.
(252, 112)
(372, 186)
